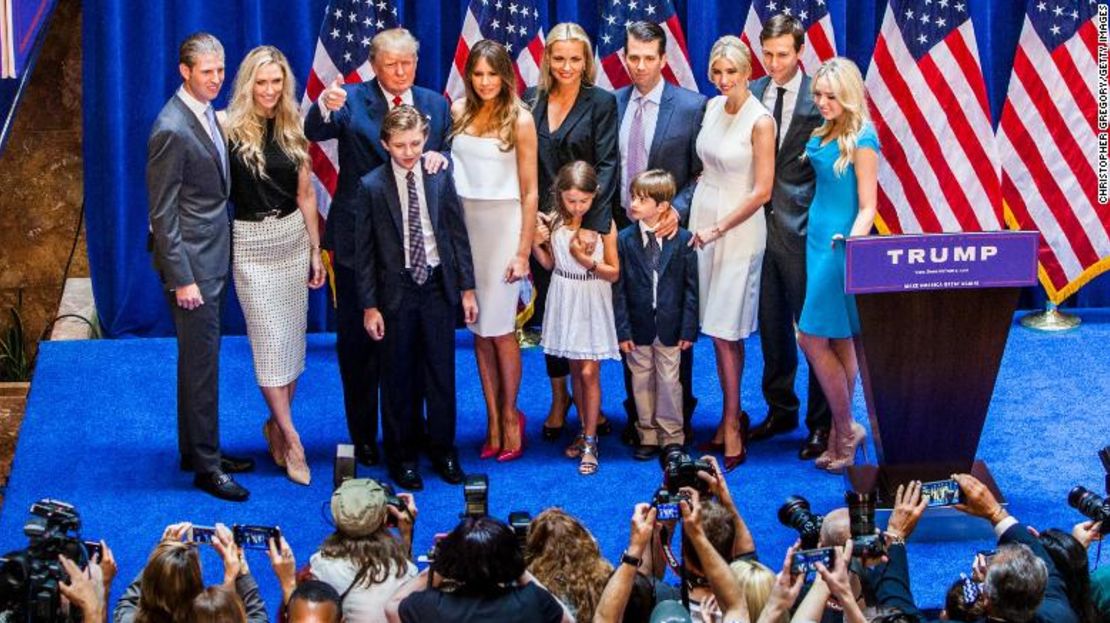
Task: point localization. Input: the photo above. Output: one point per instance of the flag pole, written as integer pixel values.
(1051, 320)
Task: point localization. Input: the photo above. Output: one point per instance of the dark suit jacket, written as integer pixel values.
(588, 133)
(380, 246)
(675, 316)
(187, 193)
(674, 144)
(893, 587)
(358, 127)
(795, 180)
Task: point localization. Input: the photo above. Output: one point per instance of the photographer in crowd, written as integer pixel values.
(562, 554)
(363, 560)
(88, 589)
(314, 601)
(171, 580)
(478, 575)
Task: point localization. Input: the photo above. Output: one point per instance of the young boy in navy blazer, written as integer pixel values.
(414, 268)
(655, 303)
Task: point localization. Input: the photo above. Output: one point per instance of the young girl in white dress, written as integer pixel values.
(578, 320)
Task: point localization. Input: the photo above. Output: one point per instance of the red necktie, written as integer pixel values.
(397, 101)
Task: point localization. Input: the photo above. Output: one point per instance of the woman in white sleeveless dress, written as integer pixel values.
(737, 150)
(494, 158)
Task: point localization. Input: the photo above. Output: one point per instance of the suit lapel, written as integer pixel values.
(662, 120)
(623, 97)
(577, 112)
(666, 253)
(377, 108)
(430, 196)
(803, 106)
(393, 199)
(202, 135)
(759, 87)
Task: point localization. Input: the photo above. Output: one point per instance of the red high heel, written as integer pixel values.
(488, 451)
(512, 455)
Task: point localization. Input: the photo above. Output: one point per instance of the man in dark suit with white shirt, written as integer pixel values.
(353, 115)
(659, 124)
(786, 92)
(190, 237)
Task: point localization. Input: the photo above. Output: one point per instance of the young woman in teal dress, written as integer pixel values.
(844, 152)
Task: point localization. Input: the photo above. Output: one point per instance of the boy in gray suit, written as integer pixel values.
(187, 188)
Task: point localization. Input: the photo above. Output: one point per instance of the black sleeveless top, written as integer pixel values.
(255, 197)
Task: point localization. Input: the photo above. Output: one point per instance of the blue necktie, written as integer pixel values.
(217, 138)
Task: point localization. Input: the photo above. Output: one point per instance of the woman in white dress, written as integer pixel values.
(737, 148)
(494, 157)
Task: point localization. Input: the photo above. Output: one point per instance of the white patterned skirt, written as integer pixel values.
(578, 318)
(270, 266)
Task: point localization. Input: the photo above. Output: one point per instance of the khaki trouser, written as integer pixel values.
(657, 393)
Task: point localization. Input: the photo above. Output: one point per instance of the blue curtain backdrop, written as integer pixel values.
(130, 69)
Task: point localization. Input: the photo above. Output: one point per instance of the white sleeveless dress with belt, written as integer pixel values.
(729, 267)
(488, 186)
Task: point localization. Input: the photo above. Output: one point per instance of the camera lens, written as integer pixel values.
(861, 513)
(795, 513)
(1089, 504)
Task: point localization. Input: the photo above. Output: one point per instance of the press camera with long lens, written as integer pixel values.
(795, 513)
(680, 470)
(866, 540)
(475, 505)
(1090, 504)
(29, 577)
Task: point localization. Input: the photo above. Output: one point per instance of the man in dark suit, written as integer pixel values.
(659, 124)
(353, 114)
(414, 267)
(187, 189)
(786, 92)
(655, 309)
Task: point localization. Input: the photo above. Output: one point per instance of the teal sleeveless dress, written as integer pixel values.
(828, 311)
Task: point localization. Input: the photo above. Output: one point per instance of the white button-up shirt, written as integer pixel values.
(644, 229)
(431, 251)
(792, 86)
(199, 109)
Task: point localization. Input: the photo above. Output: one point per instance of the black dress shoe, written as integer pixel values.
(407, 477)
(367, 454)
(449, 469)
(221, 485)
(228, 464)
(645, 453)
(773, 425)
(816, 442)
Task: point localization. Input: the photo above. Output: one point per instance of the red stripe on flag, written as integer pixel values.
(1058, 130)
(911, 187)
(1075, 81)
(889, 214)
(313, 87)
(1046, 256)
(614, 69)
(1026, 149)
(757, 64)
(668, 75)
(819, 40)
(323, 168)
(958, 47)
(961, 128)
(926, 139)
(1088, 33)
(462, 51)
(679, 37)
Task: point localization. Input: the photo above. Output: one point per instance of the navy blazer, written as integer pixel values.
(358, 127)
(380, 241)
(588, 133)
(675, 316)
(674, 144)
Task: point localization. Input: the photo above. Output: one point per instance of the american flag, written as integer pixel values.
(1047, 139)
(342, 49)
(514, 24)
(615, 17)
(814, 16)
(939, 170)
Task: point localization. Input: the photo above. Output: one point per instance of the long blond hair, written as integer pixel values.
(565, 558)
(507, 106)
(567, 31)
(246, 127)
(843, 78)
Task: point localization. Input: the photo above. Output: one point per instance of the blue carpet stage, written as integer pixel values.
(99, 433)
